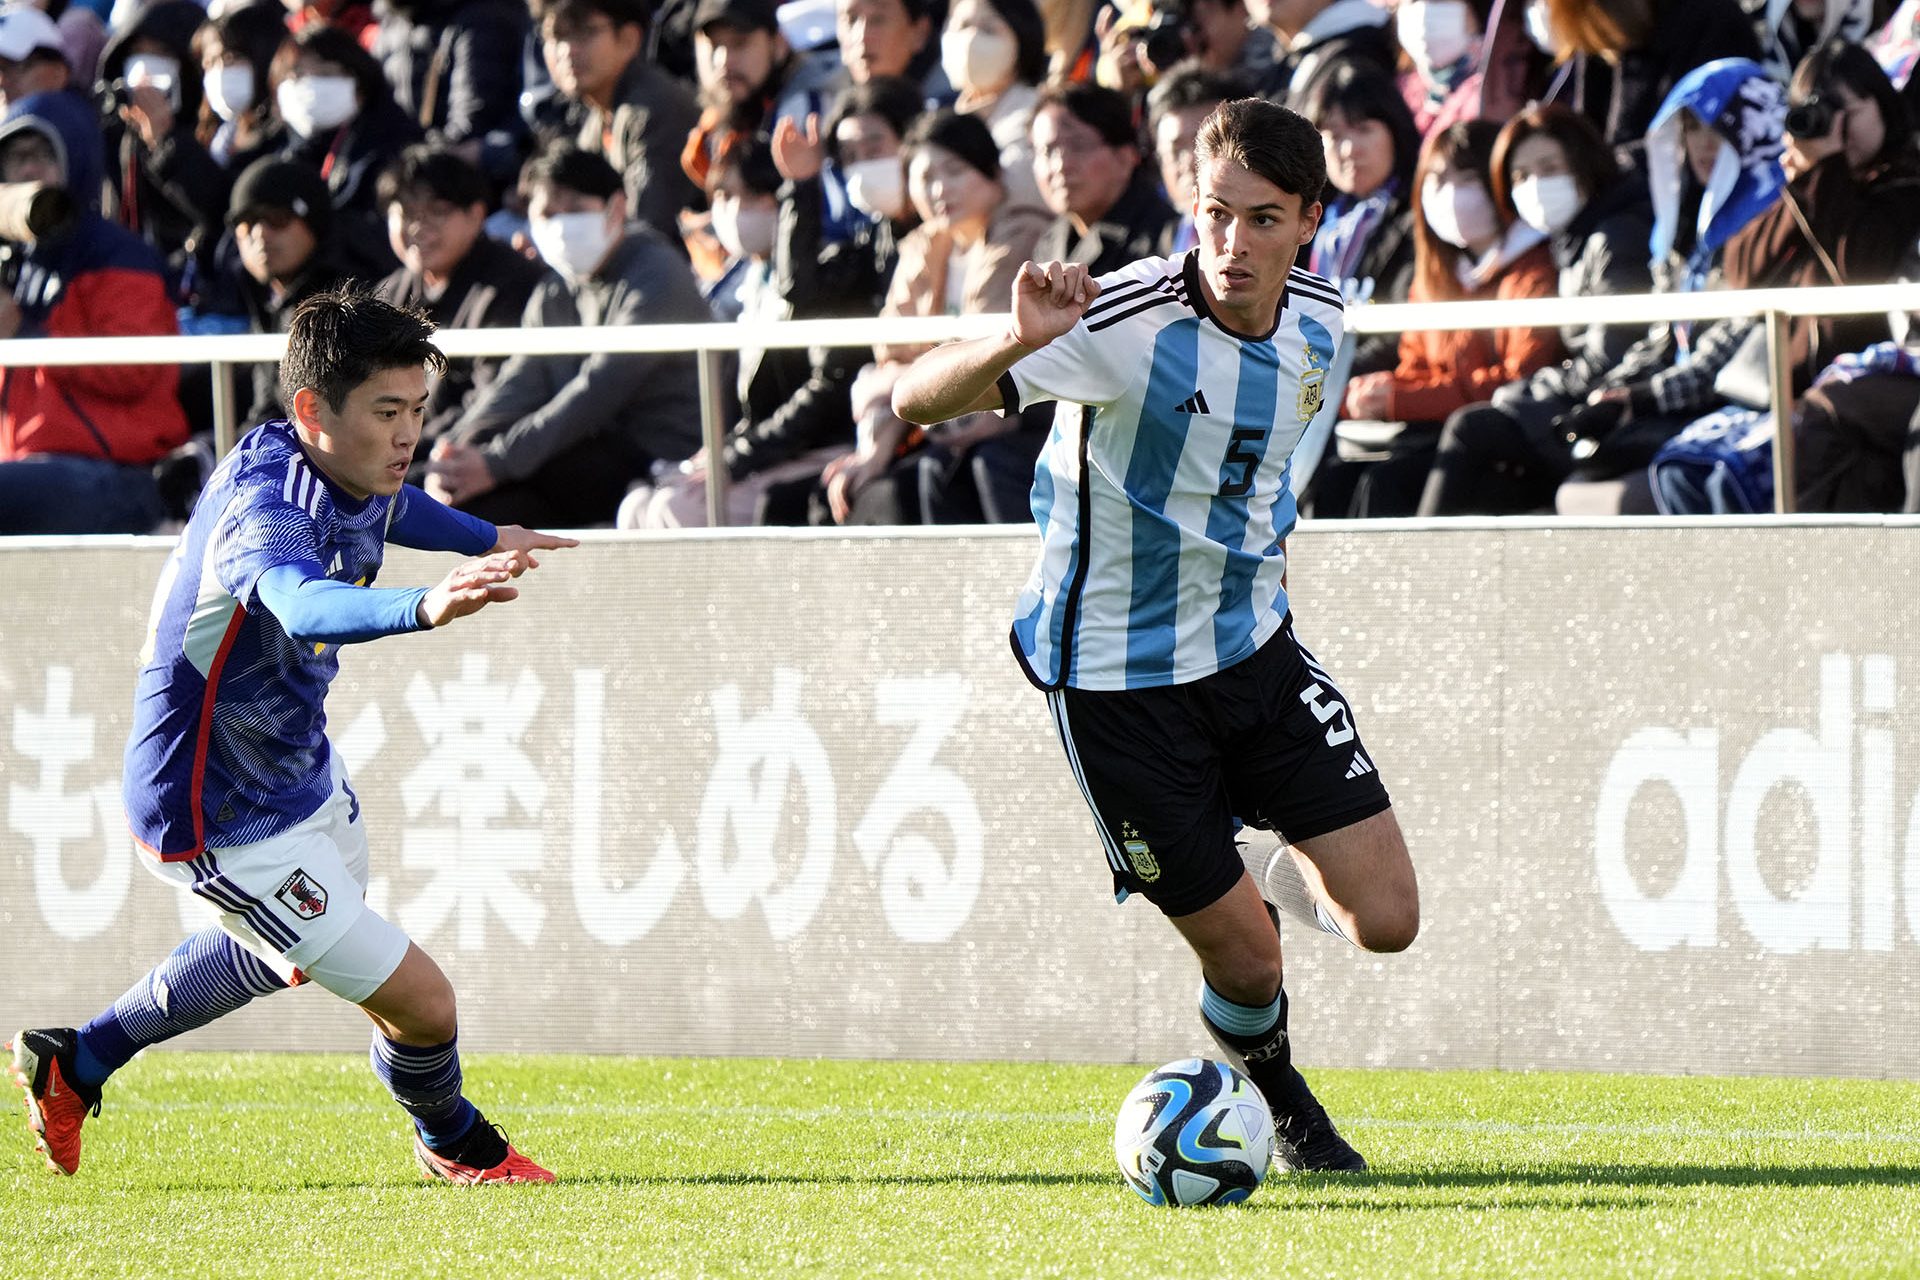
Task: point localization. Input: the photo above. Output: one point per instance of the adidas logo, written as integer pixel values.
(1195, 404)
(1360, 767)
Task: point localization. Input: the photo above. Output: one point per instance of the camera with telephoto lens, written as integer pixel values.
(1166, 36)
(30, 212)
(1812, 118)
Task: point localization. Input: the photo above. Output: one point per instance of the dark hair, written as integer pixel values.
(1108, 111)
(436, 170)
(1589, 159)
(1360, 91)
(1190, 84)
(335, 45)
(751, 156)
(621, 13)
(562, 164)
(1029, 37)
(966, 136)
(255, 32)
(1842, 64)
(1466, 145)
(1266, 139)
(339, 339)
(898, 102)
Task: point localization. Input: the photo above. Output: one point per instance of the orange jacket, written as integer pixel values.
(1443, 371)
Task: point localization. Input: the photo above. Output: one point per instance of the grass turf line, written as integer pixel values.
(273, 1165)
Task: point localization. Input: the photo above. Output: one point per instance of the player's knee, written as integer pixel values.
(1393, 927)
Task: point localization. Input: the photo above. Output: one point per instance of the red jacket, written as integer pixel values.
(1443, 371)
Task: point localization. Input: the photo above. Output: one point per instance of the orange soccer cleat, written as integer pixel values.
(513, 1167)
(56, 1108)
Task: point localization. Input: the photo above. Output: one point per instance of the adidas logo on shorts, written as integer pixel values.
(1360, 767)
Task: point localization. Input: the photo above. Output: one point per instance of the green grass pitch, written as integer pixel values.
(211, 1165)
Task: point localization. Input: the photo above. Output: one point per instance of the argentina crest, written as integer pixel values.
(1313, 377)
(1138, 853)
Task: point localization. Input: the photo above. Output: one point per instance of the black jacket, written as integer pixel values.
(168, 196)
(273, 315)
(455, 64)
(1623, 99)
(1132, 229)
(352, 158)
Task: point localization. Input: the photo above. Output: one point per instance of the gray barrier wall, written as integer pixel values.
(749, 795)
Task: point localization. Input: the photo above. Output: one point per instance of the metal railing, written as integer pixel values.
(708, 342)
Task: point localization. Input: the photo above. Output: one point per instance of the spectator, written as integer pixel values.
(1628, 54)
(454, 66)
(145, 65)
(78, 442)
(1461, 72)
(344, 125)
(994, 54)
(861, 151)
(1106, 205)
(891, 38)
(557, 440)
(1509, 455)
(83, 34)
(1791, 29)
(1713, 158)
(1857, 434)
(1314, 36)
(1365, 240)
(33, 57)
(436, 206)
(1179, 102)
(1466, 246)
(962, 258)
(282, 219)
(632, 114)
(749, 81)
(794, 415)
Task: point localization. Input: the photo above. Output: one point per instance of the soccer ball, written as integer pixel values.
(1195, 1131)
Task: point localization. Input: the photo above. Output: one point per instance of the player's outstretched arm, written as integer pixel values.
(472, 586)
(964, 377)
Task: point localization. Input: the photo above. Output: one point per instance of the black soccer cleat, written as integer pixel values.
(1304, 1139)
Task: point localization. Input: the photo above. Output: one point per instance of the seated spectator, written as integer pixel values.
(1789, 30)
(1179, 102)
(1507, 456)
(282, 220)
(749, 81)
(146, 64)
(1107, 206)
(33, 57)
(1365, 240)
(966, 251)
(436, 208)
(345, 126)
(559, 439)
(454, 66)
(1459, 70)
(794, 415)
(1312, 37)
(890, 38)
(1713, 158)
(1857, 434)
(78, 442)
(631, 113)
(1466, 246)
(994, 54)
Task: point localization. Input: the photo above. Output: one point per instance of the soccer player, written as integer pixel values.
(230, 784)
(1157, 621)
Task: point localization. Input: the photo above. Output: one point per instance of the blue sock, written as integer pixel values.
(207, 976)
(426, 1084)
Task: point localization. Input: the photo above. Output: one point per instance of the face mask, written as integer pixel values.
(572, 243)
(229, 89)
(311, 105)
(877, 188)
(1547, 204)
(746, 233)
(1438, 37)
(154, 71)
(1539, 30)
(1459, 213)
(977, 60)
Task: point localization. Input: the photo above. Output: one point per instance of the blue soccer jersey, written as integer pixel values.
(229, 736)
(1164, 493)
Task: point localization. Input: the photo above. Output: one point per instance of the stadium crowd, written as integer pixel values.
(173, 168)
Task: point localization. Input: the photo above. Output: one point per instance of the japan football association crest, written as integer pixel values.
(303, 895)
(1313, 377)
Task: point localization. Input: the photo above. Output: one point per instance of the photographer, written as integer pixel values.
(151, 84)
(77, 443)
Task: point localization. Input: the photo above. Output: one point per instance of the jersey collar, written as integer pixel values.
(1197, 299)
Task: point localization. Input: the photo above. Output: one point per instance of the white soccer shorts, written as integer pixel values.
(298, 900)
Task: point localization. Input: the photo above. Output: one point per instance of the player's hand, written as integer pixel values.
(472, 586)
(457, 472)
(1049, 300)
(514, 538)
(797, 153)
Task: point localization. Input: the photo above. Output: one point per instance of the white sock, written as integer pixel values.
(1270, 862)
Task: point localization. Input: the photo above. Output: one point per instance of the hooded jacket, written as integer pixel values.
(92, 280)
(154, 193)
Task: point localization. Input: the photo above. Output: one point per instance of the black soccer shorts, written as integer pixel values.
(1269, 741)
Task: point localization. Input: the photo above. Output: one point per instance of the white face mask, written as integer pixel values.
(1539, 29)
(572, 243)
(311, 105)
(1547, 204)
(154, 71)
(1436, 34)
(746, 233)
(1459, 213)
(978, 60)
(877, 188)
(229, 89)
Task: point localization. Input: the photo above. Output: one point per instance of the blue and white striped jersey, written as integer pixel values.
(1163, 493)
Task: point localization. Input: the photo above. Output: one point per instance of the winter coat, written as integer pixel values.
(351, 159)
(455, 65)
(1442, 371)
(160, 194)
